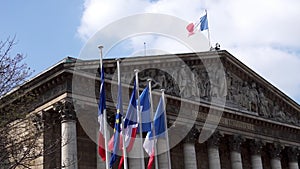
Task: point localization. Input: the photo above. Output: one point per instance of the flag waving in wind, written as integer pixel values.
(130, 124)
(117, 128)
(158, 131)
(201, 24)
(101, 109)
(145, 110)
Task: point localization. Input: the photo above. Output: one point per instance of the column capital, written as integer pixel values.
(192, 136)
(214, 140)
(275, 150)
(293, 153)
(66, 110)
(256, 146)
(235, 142)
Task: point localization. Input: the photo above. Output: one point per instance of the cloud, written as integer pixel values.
(262, 34)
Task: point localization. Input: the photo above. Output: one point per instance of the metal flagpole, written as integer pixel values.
(145, 49)
(122, 121)
(153, 128)
(105, 117)
(139, 116)
(167, 134)
(208, 34)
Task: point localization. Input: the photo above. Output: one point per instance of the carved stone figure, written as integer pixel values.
(194, 83)
(205, 85)
(245, 95)
(278, 114)
(263, 104)
(253, 98)
(231, 90)
(236, 92)
(184, 82)
(218, 82)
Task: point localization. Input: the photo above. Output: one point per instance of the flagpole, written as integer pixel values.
(167, 134)
(105, 117)
(139, 116)
(208, 34)
(152, 114)
(122, 122)
(145, 49)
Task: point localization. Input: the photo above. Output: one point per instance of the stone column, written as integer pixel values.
(68, 134)
(255, 149)
(162, 157)
(293, 153)
(189, 152)
(213, 151)
(275, 151)
(134, 160)
(235, 142)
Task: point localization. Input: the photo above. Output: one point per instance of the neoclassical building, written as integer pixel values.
(220, 113)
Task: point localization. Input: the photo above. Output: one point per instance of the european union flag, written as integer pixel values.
(117, 128)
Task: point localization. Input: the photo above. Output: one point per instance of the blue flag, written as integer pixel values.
(203, 22)
(102, 104)
(145, 110)
(131, 115)
(159, 121)
(117, 128)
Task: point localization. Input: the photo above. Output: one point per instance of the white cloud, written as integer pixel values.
(262, 34)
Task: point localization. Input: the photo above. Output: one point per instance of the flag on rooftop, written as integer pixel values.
(201, 24)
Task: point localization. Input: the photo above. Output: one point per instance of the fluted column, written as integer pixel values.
(68, 134)
(189, 152)
(293, 153)
(275, 151)
(135, 154)
(255, 149)
(213, 151)
(235, 142)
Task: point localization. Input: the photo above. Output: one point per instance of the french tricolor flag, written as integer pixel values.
(130, 125)
(131, 121)
(201, 24)
(101, 109)
(158, 131)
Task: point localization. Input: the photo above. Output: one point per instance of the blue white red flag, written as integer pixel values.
(101, 109)
(201, 24)
(145, 110)
(158, 131)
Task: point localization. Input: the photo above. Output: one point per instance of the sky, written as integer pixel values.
(264, 35)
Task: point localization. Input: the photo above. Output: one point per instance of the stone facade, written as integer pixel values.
(258, 126)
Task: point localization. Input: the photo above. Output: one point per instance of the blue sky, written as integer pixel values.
(262, 34)
(46, 31)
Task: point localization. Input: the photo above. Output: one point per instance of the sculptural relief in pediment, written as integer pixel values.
(199, 83)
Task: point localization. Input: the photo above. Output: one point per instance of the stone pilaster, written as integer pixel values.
(255, 149)
(213, 151)
(235, 142)
(68, 134)
(293, 153)
(189, 153)
(163, 162)
(275, 154)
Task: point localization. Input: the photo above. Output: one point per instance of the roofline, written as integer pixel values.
(139, 60)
